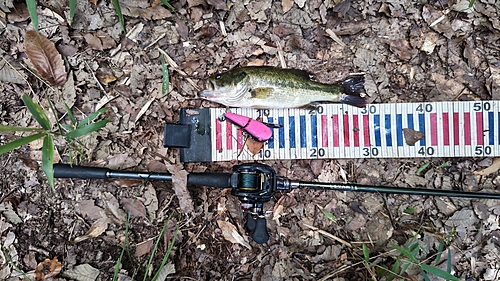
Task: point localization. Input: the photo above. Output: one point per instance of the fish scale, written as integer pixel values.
(332, 131)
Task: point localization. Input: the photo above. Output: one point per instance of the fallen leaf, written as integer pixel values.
(95, 230)
(45, 58)
(82, 272)
(93, 41)
(230, 233)
(114, 207)
(218, 4)
(493, 168)
(179, 182)
(10, 75)
(135, 207)
(51, 267)
(286, 5)
(89, 210)
(254, 146)
(105, 77)
(166, 270)
(412, 136)
(144, 248)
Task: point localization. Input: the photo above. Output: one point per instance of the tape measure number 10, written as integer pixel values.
(395, 130)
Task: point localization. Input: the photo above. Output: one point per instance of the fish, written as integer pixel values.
(267, 87)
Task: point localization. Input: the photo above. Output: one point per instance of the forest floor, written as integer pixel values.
(410, 51)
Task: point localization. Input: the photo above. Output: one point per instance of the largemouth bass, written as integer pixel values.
(270, 87)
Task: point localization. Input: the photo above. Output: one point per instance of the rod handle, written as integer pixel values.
(82, 172)
(220, 180)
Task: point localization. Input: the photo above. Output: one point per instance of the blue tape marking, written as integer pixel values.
(291, 121)
(270, 141)
(491, 128)
(499, 126)
(421, 127)
(399, 129)
(281, 132)
(410, 121)
(314, 125)
(376, 122)
(388, 134)
(303, 137)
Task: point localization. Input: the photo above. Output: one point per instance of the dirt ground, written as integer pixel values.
(410, 51)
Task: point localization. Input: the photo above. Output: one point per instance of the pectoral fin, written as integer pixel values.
(261, 93)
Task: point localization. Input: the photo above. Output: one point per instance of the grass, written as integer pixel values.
(408, 256)
(71, 133)
(158, 276)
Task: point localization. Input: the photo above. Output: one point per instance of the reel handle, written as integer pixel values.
(258, 227)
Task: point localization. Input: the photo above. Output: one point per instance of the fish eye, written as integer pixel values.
(217, 76)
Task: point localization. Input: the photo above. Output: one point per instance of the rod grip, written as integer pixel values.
(221, 180)
(82, 172)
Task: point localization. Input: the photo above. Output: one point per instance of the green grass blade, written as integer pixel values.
(70, 114)
(118, 10)
(165, 2)
(406, 253)
(404, 267)
(37, 112)
(366, 253)
(426, 277)
(85, 121)
(438, 272)
(165, 257)
(150, 261)
(33, 14)
(328, 214)
(165, 80)
(394, 269)
(4, 128)
(471, 3)
(22, 141)
(48, 159)
(86, 129)
(440, 251)
(423, 167)
(72, 9)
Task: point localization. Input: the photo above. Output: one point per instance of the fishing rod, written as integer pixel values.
(254, 184)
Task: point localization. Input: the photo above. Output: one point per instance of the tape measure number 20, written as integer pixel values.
(395, 130)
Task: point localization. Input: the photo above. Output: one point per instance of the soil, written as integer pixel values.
(410, 51)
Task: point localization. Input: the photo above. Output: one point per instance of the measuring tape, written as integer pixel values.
(449, 129)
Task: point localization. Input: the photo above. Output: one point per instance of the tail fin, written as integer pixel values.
(352, 87)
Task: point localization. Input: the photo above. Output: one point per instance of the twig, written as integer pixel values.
(327, 234)
(175, 66)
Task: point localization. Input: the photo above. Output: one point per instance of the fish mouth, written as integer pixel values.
(209, 92)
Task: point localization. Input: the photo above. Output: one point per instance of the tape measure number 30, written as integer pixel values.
(395, 130)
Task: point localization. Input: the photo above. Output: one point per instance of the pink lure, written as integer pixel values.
(256, 129)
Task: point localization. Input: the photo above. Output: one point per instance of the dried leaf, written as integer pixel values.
(95, 230)
(231, 234)
(8, 212)
(493, 168)
(286, 5)
(179, 182)
(166, 270)
(11, 75)
(135, 207)
(143, 248)
(412, 136)
(45, 58)
(254, 146)
(114, 207)
(53, 267)
(82, 272)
